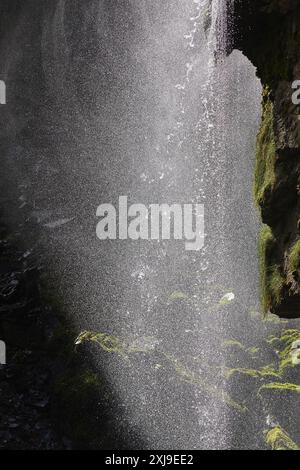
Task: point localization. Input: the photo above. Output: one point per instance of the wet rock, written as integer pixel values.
(268, 33)
(26, 421)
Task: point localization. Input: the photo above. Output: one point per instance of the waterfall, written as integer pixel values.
(220, 32)
(217, 41)
(211, 127)
(142, 99)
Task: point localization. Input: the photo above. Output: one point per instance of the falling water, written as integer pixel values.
(139, 98)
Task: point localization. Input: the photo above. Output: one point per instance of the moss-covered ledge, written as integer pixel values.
(268, 33)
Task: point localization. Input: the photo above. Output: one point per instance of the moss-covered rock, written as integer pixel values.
(272, 281)
(278, 439)
(268, 33)
(265, 174)
(294, 257)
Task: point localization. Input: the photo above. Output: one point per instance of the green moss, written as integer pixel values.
(142, 344)
(266, 242)
(275, 283)
(265, 175)
(191, 377)
(233, 343)
(249, 372)
(270, 318)
(177, 295)
(271, 280)
(267, 371)
(253, 351)
(294, 257)
(273, 45)
(112, 344)
(108, 343)
(284, 343)
(287, 387)
(278, 439)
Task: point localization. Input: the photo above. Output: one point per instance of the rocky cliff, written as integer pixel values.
(268, 33)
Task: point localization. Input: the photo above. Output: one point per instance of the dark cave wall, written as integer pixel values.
(268, 33)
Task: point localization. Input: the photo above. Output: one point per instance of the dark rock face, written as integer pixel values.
(268, 33)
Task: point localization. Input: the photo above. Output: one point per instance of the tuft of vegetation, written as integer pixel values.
(122, 348)
(287, 387)
(253, 351)
(266, 242)
(177, 295)
(108, 343)
(271, 279)
(275, 283)
(267, 371)
(294, 257)
(112, 344)
(278, 439)
(188, 376)
(286, 341)
(265, 175)
(233, 343)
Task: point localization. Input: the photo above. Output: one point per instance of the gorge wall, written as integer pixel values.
(268, 33)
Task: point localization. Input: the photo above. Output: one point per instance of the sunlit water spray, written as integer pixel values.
(144, 103)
